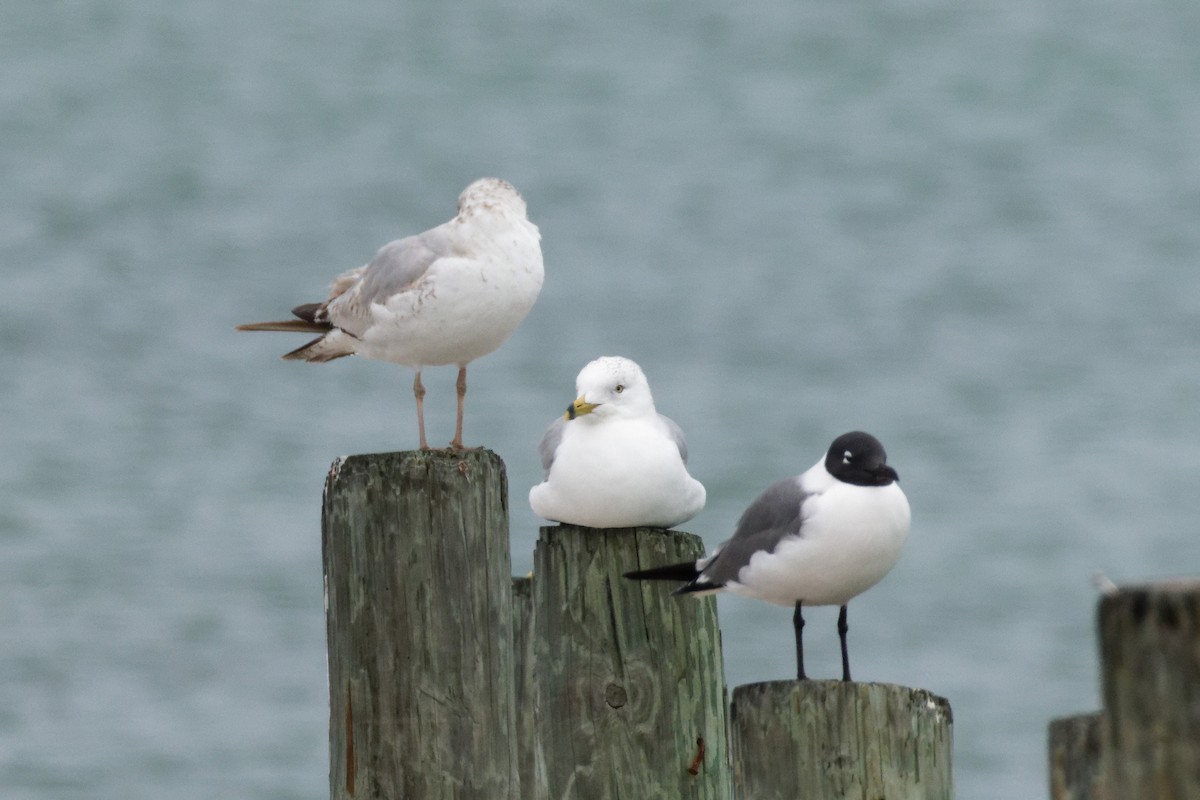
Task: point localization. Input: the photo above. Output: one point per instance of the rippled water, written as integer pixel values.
(968, 228)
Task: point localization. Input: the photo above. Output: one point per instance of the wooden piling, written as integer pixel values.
(832, 739)
(1074, 752)
(418, 595)
(630, 698)
(1150, 670)
(523, 685)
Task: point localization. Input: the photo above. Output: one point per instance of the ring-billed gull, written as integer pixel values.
(817, 539)
(446, 296)
(612, 461)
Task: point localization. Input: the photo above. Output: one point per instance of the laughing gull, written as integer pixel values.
(446, 296)
(612, 461)
(817, 539)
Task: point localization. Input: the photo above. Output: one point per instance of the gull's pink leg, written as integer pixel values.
(457, 444)
(419, 394)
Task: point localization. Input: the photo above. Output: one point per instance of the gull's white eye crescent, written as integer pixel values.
(846, 458)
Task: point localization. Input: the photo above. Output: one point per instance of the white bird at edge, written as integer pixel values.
(817, 539)
(612, 461)
(446, 296)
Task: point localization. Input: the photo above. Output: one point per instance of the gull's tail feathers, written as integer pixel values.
(335, 343)
(700, 586)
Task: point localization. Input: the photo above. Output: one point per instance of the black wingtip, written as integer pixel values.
(684, 572)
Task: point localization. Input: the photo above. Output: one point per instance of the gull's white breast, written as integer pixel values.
(617, 473)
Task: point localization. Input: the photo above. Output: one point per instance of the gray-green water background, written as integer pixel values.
(970, 228)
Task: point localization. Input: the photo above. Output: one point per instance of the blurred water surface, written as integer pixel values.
(969, 228)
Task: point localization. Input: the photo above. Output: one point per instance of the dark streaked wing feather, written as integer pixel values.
(549, 443)
(309, 311)
(287, 325)
(313, 352)
(677, 435)
(334, 344)
(772, 516)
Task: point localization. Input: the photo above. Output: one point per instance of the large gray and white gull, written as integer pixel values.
(612, 461)
(446, 296)
(820, 538)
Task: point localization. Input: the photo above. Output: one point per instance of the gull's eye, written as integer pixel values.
(846, 457)
(620, 388)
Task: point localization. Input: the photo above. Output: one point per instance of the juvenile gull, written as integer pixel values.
(817, 539)
(446, 296)
(612, 461)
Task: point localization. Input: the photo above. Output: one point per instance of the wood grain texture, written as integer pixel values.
(1074, 753)
(418, 588)
(830, 739)
(523, 686)
(1150, 671)
(628, 677)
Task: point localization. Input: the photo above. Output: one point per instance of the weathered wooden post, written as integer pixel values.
(630, 690)
(1150, 670)
(523, 685)
(418, 593)
(1074, 753)
(830, 739)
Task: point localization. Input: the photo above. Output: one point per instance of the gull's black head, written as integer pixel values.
(858, 458)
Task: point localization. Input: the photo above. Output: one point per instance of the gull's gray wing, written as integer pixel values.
(677, 435)
(398, 266)
(549, 444)
(774, 515)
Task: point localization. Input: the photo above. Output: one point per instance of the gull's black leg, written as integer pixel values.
(843, 626)
(798, 624)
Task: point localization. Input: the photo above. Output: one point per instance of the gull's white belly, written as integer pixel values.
(624, 473)
(466, 309)
(852, 537)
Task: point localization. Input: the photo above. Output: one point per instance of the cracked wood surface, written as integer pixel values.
(835, 739)
(628, 678)
(418, 588)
